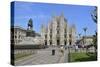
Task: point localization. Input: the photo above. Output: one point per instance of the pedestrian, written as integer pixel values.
(76, 48)
(62, 50)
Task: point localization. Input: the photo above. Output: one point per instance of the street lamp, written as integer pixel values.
(79, 35)
(85, 29)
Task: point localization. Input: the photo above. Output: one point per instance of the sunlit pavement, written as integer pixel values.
(44, 56)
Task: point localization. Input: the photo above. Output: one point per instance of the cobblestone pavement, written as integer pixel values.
(44, 56)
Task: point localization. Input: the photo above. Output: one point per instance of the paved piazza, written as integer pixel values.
(44, 56)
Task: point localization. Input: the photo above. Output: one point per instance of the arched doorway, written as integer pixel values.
(58, 42)
(65, 43)
(45, 42)
(50, 42)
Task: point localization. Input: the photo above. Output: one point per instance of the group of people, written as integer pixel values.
(75, 47)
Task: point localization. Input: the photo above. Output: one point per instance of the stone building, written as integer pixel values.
(24, 41)
(58, 32)
(17, 34)
(87, 40)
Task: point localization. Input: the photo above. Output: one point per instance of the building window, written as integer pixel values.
(50, 30)
(45, 42)
(50, 42)
(58, 23)
(70, 42)
(58, 42)
(19, 36)
(57, 31)
(45, 36)
(65, 42)
(65, 31)
(50, 36)
(65, 35)
(70, 36)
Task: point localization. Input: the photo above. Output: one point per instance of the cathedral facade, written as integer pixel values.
(58, 32)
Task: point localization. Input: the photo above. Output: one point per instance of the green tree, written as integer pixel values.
(94, 17)
(95, 41)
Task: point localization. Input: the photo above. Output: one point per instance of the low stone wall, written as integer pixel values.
(27, 51)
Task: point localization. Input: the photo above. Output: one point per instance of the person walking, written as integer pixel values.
(62, 50)
(76, 48)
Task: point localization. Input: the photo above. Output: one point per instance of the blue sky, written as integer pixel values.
(41, 13)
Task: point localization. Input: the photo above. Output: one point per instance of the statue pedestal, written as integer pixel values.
(30, 33)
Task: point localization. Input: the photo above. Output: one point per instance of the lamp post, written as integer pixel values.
(79, 35)
(85, 29)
